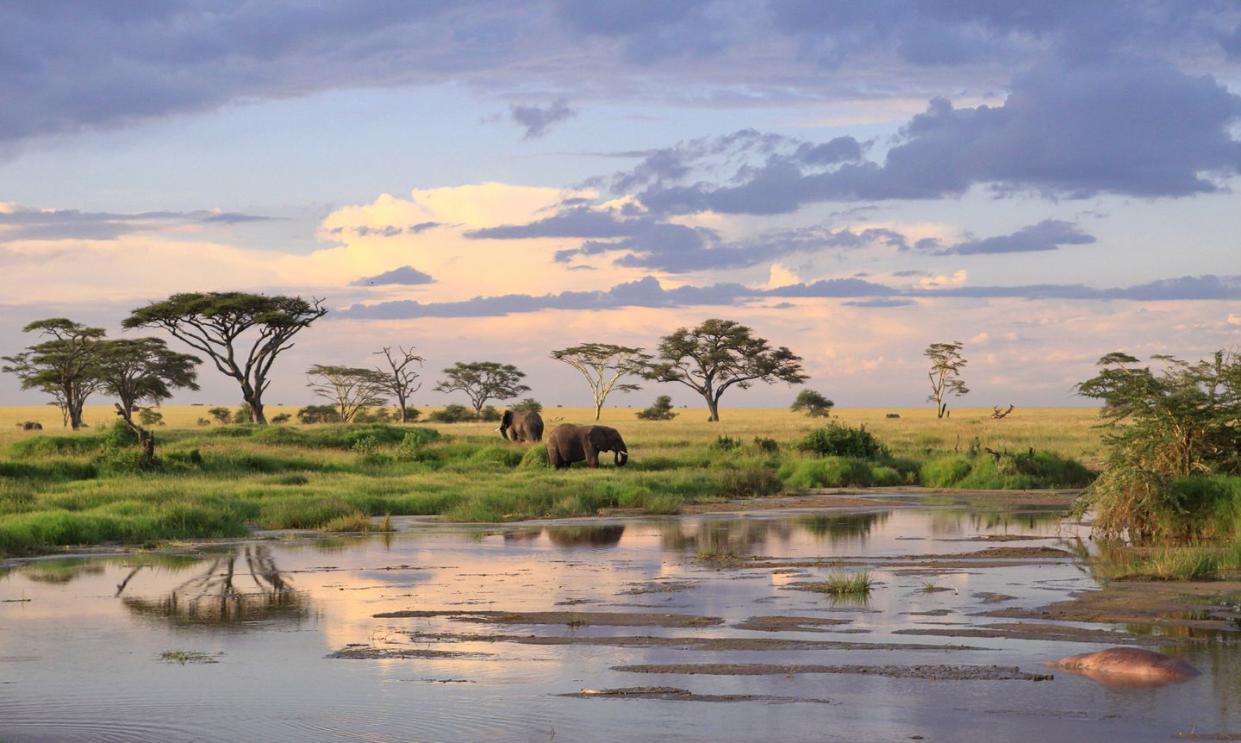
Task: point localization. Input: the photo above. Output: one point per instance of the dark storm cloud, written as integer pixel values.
(1126, 126)
(403, 276)
(648, 292)
(1050, 234)
(68, 67)
(537, 119)
(72, 224)
(675, 248)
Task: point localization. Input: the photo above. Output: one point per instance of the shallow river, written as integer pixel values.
(278, 639)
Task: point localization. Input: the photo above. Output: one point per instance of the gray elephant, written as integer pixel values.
(522, 425)
(569, 443)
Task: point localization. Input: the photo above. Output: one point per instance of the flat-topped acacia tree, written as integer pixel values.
(483, 381)
(241, 333)
(603, 365)
(719, 354)
(138, 370)
(64, 365)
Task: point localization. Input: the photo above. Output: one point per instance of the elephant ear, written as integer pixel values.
(507, 420)
(600, 438)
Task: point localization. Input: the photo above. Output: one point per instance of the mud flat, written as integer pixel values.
(711, 644)
(674, 694)
(568, 618)
(924, 672)
(1175, 607)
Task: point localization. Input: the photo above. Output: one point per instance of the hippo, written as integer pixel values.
(1128, 667)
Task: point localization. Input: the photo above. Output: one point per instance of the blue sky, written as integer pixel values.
(1046, 182)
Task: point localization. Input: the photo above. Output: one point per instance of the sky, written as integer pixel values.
(1045, 182)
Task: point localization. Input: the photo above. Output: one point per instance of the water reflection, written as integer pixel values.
(221, 593)
(843, 527)
(585, 536)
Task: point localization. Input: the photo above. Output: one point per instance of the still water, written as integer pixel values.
(494, 626)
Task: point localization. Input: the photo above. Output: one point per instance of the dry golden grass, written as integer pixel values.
(1066, 431)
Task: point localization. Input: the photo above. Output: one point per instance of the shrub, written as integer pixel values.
(489, 413)
(411, 414)
(725, 443)
(372, 415)
(453, 414)
(828, 472)
(660, 410)
(945, 472)
(535, 456)
(281, 418)
(837, 439)
(765, 445)
(318, 414)
(243, 415)
(750, 482)
(221, 415)
(203, 422)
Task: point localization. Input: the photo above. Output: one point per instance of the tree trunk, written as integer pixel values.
(598, 409)
(400, 401)
(256, 410)
(713, 405)
(940, 408)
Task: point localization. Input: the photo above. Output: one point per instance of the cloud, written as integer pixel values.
(1050, 234)
(649, 292)
(24, 223)
(1122, 126)
(403, 276)
(387, 230)
(537, 120)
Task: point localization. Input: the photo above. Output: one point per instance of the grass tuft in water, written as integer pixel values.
(846, 584)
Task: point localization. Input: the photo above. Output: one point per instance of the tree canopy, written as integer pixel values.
(482, 381)
(241, 333)
(349, 388)
(718, 355)
(603, 366)
(813, 404)
(138, 370)
(1163, 428)
(63, 365)
(945, 374)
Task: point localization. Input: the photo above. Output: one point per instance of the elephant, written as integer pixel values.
(569, 443)
(31, 426)
(522, 425)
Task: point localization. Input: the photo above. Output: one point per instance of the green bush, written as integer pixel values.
(660, 410)
(838, 440)
(828, 472)
(319, 414)
(725, 443)
(535, 456)
(453, 414)
(945, 472)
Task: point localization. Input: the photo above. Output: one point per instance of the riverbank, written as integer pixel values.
(221, 481)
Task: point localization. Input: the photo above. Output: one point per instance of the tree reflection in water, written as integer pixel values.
(586, 536)
(221, 594)
(843, 527)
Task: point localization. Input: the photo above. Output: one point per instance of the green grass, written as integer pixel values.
(62, 489)
(846, 584)
(1191, 562)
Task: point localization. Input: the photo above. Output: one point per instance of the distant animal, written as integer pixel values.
(892, 415)
(521, 425)
(569, 443)
(1131, 667)
(30, 426)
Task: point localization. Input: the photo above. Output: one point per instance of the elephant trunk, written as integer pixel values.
(621, 457)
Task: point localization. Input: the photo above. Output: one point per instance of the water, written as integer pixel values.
(81, 645)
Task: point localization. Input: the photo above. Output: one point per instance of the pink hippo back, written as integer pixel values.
(1128, 667)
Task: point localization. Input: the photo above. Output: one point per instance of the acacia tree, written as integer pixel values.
(603, 365)
(483, 381)
(221, 324)
(1162, 427)
(137, 370)
(813, 403)
(349, 388)
(945, 374)
(64, 365)
(720, 354)
(402, 376)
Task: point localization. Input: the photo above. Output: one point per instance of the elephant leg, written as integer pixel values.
(592, 458)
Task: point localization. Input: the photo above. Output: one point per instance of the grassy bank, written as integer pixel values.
(223, 481)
